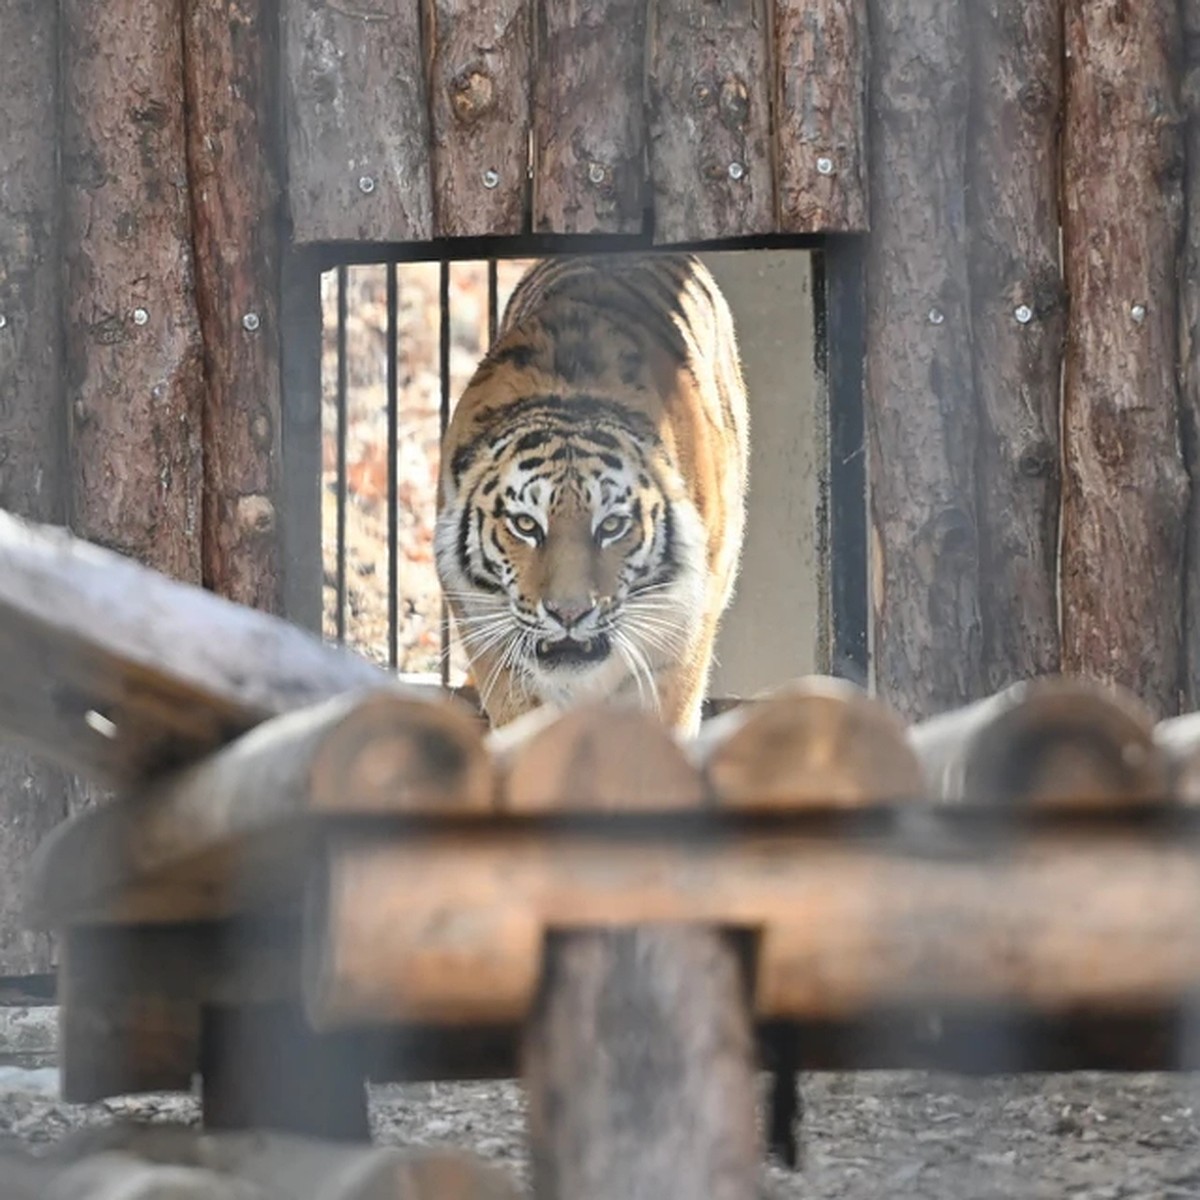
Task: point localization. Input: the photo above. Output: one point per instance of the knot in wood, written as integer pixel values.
(703, 93)
(260, 430)
(734, 105)
(1035, 98)
(255, 514)
(1038, 461)
(472, 93)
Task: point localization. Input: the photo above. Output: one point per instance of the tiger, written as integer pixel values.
(592, 489)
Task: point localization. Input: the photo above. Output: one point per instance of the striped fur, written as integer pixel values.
(591, 501)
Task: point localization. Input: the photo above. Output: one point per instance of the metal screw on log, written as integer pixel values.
(1138, 313)
(3, 321)
(250, 322)
(936, 316)
(491, 178)
(736, 170)
(1023, 313)
(596, 173)
(824, 165)
(366, 184)
(140, 316)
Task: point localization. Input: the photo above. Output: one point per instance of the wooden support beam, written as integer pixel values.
(450, 926)
(820, 742)
(231, 830)
(641, 1070)
(1051, 743)
(118, 671)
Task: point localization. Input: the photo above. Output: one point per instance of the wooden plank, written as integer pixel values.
(357, 122)
(1063, 921)
(589, 123)
(134, 355)
(33, 415)
(167, 671)
(641, 1071)
(1188, 281)
(229, 831)
(481, 63)
(710, 129)
(234, 181)
(593, 758)
(821, 116)
(821, 742)
(920, 402)
(1125, 489)
(1018, 311)
(1051, 743)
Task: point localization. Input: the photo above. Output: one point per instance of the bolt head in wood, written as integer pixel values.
(366, 184)
(140, 316)
(491, 178)
(251, 322)
(596, 173)
(824, 165)
(1138, 312)
(1023, 314)
(3, 321)
(736, 171)
(936, 316)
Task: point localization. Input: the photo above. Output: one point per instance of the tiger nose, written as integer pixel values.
(568, 612)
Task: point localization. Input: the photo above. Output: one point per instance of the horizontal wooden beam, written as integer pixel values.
(450, 926)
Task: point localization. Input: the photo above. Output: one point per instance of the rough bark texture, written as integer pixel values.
(589, 119)
(821, 76)
(1018, 311)
(920, 402)
(233, 185)
(480, 67)
(32, 418)
(358, 128)
(640, 1070)
(710, 127)
(1189, 351)
(1124, 492)
(133, 343)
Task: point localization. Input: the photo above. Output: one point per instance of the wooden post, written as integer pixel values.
(32, 413)
(1017, 312)
(710, 126)
(920, 401)
(589, 128)
(1125, 490)
(640, 1067)
(480, 63)
(230, 73)
(821, 86)
(133, 349)
(1189, 350)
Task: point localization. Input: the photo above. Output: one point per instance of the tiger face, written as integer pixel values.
(591, 496)
(572, 570)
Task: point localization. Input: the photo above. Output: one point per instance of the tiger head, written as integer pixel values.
(569, 552)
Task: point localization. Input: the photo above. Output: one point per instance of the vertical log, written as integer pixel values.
(479, 80)
(32, 417)
(1189, 352)
(357, 121)
(710, 127)
(821, 119)
(1018, 311)
(640, 1069)
(1124, 490)
(589, 168)
(229, 67)
(920, 402)
(133, 346)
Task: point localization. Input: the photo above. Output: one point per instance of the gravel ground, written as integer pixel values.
(900, 1135)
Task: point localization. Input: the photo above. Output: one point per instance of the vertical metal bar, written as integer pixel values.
(492, 313)
(393, 481)
(342, 365)
(443, 422)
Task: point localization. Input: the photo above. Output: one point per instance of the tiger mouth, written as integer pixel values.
(573, 652)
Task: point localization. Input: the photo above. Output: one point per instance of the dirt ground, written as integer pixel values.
(900, 1135)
